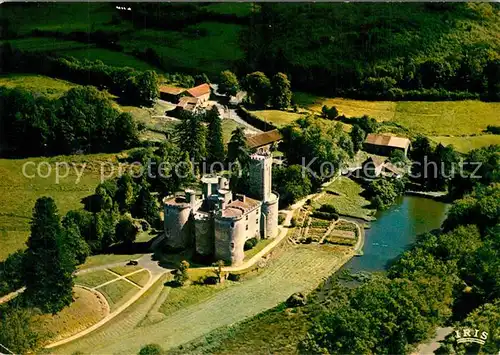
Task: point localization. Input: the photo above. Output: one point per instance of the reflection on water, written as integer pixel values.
(395, 229)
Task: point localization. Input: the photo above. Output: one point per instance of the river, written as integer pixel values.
(395, 230)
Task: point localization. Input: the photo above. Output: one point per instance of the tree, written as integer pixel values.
(12, 272)
(281, 92)
(398, 157)
(329, 113)
(75, 242)
(292, 183)
(181, 274)
(151, 349)
(49, 261)
(218, 266)
(358, 136)
(146, 206)
(228, 83)
(237, 149)
(384, 192)
(125, 194)
(258, 87)
(215, 142)
(125, 231)
(493, 75)
(143, 88)
(201, 79)
(18, 329)
(191, 136)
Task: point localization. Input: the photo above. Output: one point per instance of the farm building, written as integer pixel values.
(201, 92)
(263, 141)
(384, 144)
(376, 166)
(170, 93)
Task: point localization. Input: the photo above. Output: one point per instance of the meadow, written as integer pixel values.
(117, 293)
(44, 85)
(466, 144)
(19, 192)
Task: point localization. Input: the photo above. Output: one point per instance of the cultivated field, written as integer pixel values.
(277, 118)
(297, 269)
(94, 278)
(118, 292)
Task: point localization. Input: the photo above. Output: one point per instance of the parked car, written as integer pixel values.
(133, 262)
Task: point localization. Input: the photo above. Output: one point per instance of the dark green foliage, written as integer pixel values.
(11, 272)
(151, 349)
(75, 243)
(281, 93)
(49, 261)
(493, 77)
(125, 231)
(191, 136)
(201, 79)
(142, 89)
(325, 215)
(330, 113)
(384, 192)
(358, 136)
(320, 149)
(83, 120)
(146, 206)
(215, 143)
(328, 208)
(228, 83)
(493, 129)
(237, 149)
(258, 88)
(291, 183)
(18, 330)
(250, 243)
(181, 274)
(126, 192)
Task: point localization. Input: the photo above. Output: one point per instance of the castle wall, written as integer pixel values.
(228, 241)
(204, 235)
(177, 226)
(269, 226)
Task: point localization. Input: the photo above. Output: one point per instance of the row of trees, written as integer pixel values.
(82, 120)
(132, 86)
(261, 90)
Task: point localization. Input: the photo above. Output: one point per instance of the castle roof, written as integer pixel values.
(240, 207)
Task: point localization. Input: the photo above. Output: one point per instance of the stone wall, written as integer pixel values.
(178, 233)
(204, 235)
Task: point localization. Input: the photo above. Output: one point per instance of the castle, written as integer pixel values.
(217, 223)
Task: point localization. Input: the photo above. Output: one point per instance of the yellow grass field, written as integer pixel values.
(276, 117)
(87, 309)
(466, 144)
(47, 86)
(434, 118)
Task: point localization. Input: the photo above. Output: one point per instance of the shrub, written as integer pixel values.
(151, 349)
(281, 218)
(325, 215)
(250, 243)
(328, 208)
(493, 129)
(293, 222)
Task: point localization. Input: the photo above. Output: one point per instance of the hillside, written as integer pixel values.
(338, 45)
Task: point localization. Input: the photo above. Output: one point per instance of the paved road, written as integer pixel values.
(434, 343)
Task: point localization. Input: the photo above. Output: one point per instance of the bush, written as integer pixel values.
(325, 215)
(329, 113)
(293, 222)
(250, 243)
(328, 208)
(493, 129)
(151, 349)
(234, 277)
(281, 218)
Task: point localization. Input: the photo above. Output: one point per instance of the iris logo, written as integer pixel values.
(468, 335)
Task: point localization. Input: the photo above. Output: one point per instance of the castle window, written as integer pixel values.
(257, 221)
(247, 227)
(247, 217)
(232, 224)
(232, 245)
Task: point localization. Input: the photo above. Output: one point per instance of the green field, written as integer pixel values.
(19, 193)
(276, 117)
(140, 278)
(117, 293)
(238, 9)
(206, 47)
(125, 269)
(94, 278)
(44, 85)
(433, 118)
(466, 144)
(45, 44)
(345, 196)
(105, 259)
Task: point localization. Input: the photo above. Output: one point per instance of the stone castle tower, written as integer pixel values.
(219, 224)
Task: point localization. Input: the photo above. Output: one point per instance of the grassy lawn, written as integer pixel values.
(44, 85)
(117, 293)
(104, 259)
(256, 249)
(228, 126)
(87, 309)
(466, 144)
(345, 196)
(441, 118)
(19, 192)
(140, 278)
(125, 269)
(277, 118)
(238, 9)
(94, 278)
(182, 297)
